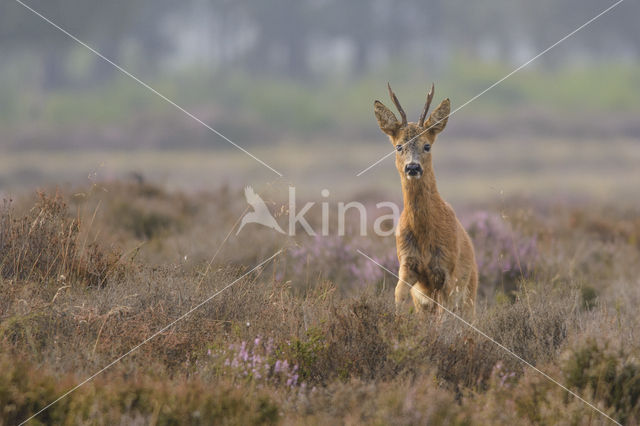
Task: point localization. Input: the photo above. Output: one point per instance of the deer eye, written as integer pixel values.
(398, 148)
(427, 147)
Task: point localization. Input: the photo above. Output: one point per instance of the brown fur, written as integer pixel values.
(435, 252)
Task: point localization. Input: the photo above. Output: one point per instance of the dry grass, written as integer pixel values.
(302, 343)
(46, 245)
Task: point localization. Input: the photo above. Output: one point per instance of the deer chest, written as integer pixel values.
(427, 261)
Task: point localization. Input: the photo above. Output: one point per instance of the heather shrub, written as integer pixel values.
(606, 375)
(46, 245)
(140, 222)
(356, 346)
(455, 356)
(312, 337)
(119, 399)
(589, 297)
(146, 211)
(307, 352)
(336, 259)
(399, 401)
(349, 344)
(606, 378)
(29, 330)
(503, 256)
(536, 325)
(258, 362)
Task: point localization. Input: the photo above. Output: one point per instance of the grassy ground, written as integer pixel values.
(310, 338)
(336, 101)
(468, 170)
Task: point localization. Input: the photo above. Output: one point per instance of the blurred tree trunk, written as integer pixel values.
(53, 69)
(361, 58)
(297, 66)
(102, 70)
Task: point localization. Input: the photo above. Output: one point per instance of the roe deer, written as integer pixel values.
(435, 252)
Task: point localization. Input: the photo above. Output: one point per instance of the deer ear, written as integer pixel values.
(386, 119)
(438, 118)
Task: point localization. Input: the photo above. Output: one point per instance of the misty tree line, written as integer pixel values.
(292, 38)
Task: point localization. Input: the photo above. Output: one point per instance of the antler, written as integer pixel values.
(423, 116)
(397, 102)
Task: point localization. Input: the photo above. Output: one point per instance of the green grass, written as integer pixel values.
(343, 103)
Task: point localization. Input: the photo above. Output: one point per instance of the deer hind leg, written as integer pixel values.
(470, 300)
(407, 280)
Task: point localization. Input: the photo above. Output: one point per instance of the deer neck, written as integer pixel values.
(422, 202)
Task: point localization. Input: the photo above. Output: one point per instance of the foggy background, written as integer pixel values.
(294, 83)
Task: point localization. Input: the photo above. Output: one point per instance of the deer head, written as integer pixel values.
(412, 141)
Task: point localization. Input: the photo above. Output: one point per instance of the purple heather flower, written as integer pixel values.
(501, 253)
(252, 361)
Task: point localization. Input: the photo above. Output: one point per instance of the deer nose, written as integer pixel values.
(413, 169)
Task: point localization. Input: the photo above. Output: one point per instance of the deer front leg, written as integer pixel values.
(422, 299)
(407, 279)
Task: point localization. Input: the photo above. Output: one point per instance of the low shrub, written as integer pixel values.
(46, 245)
(122, 399)
(606, 375)
(337, 259)
(503, 256)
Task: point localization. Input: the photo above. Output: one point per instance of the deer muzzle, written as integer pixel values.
(413, 170)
